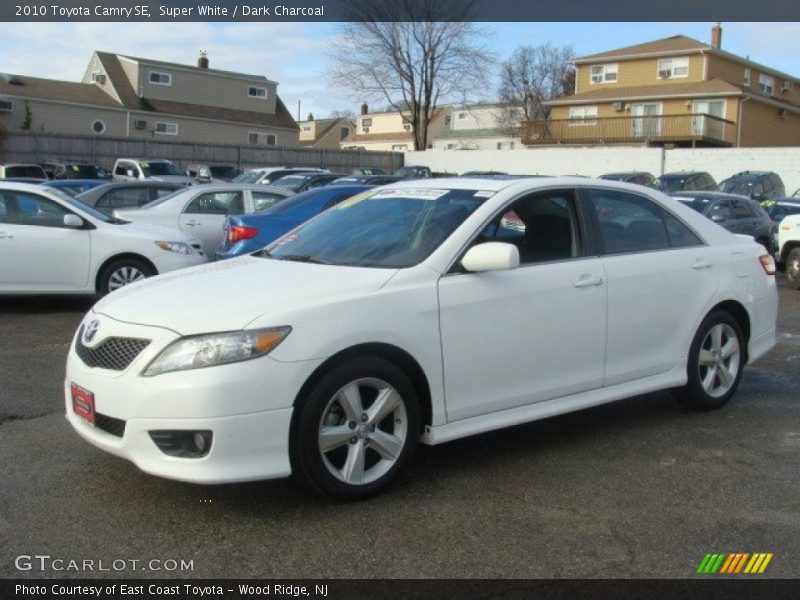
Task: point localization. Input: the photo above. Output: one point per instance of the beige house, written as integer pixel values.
(324, 133)
(388, 131)
(675, 91)
(479, 127)
(125, 96)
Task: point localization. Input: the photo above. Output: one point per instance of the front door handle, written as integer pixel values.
(192, 223)
(6, 236)
(588, 281)
(702, 264)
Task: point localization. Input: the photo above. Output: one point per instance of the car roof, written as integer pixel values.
(683, 174)
(709, 194)
(21, 186)
(750, 175)
(522, 181)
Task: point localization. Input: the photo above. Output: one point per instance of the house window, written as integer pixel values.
(462, 115)
(399, 147)
(365, 130)
(669, 68)
(166, 128)
(98, 77)
(366, 122)
(160, 78)
(6, 106)
(583, 115)
(306, 128)
(505, 145)
(257, 92)
(604, 73)
(98, 126)
(766, 84)
(407, 127)
(448, 121)
(746, 78)
(449, 146)
(261, 139)
(344, 132)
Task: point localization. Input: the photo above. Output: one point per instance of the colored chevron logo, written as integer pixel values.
(734, 563)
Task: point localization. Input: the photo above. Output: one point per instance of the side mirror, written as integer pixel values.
(759, 197)
(491, 256)
(73, 221)
(717, 218)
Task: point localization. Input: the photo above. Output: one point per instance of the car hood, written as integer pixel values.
(227, 295)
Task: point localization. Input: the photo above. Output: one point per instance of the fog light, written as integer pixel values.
(182, 444)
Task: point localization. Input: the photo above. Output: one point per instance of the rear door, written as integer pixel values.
(204, 216)
(660, 275)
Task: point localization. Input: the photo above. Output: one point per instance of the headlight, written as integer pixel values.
(199, 351)
(178, 247)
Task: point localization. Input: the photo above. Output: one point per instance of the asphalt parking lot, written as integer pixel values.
(639, 488)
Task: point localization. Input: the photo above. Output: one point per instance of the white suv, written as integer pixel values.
(135, 169)
(789, 248)
(59, 245)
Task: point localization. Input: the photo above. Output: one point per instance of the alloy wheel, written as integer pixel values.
(719, 358)
(124, 276)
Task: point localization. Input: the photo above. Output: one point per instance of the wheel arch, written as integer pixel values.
(787, 248)
(124, 255)
(738, 312)
(407, 363)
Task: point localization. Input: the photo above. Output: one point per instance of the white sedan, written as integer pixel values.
(52, 243)
(414, 315)
(200, 210)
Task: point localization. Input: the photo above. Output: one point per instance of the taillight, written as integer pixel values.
(238, 233)
(768, 263)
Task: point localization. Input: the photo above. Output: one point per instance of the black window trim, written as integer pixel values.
(68, 211)
(587, 201)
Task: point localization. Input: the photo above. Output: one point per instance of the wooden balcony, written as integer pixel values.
(685, 130)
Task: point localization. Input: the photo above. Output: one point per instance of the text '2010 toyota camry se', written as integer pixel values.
(427, 311)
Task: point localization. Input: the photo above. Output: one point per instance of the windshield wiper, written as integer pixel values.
(117, 221)
(305, 258)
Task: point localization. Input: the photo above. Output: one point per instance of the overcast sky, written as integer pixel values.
(294, 54)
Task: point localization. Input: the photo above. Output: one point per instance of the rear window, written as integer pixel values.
(31, 171)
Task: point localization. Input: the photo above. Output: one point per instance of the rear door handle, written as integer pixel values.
(702, 264)
(588, 281)
(192, 223)
(6, 236)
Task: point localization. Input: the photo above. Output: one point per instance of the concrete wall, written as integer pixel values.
(720, 162)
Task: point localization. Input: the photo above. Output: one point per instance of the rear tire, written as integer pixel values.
(122, 272)
(792, 268)
(716, 360)
(356, 428)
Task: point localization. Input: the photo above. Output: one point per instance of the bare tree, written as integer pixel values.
(533, 75)
(412, 55)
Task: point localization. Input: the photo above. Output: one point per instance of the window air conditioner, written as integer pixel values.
(617, 106)
(139, 124)
(665, 74)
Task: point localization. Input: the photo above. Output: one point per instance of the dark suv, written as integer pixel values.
(758, 185)
(686, 181)
(640, 177)
(74, 170)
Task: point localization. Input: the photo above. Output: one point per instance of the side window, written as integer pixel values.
(120, 170)
(720, 211)
(758, 190)
(161, 192)
(740, 210)
(680, 236)
(216, 203)
(6, 209)
(263, 200)
(35, 210)
(123, 197)
(628, 222)
(544, 226)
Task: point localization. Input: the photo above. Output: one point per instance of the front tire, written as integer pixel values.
(356, 428)
(122, 272)
(793, 268)
(716, 360)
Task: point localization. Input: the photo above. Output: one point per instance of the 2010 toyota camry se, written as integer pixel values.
(425, 312)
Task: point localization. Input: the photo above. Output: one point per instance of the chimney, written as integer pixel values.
(716, 36)
(310, 117)
(364, 109)
(202, 62)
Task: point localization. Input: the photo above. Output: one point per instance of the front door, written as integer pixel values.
(704, 126)
(531, 334)
(204, 217)
(647, 120)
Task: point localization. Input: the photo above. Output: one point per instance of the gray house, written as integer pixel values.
(125, 96)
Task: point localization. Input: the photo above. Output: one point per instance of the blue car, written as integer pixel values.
(245, 234)
(73, 187)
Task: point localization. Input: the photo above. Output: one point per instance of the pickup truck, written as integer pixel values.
(418, 173)
(789, 248)
(136, 169)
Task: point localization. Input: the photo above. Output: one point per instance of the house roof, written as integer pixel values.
(172, 65)
(714, 87)
(52, 89)
(676, 43)
(396, 136)
(327, 125)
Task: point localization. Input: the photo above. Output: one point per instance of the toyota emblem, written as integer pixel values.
(91, 330)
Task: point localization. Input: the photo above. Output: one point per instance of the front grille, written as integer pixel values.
(109, 424)
(115, 353)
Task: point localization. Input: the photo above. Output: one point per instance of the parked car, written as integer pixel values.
(136, 169)
(685, 181)
(244, 234)
(401, 318)
(410, 172)
(368, 171)
(22, 172)
(267, 175)
(789, 248)
(365, 180)
(758, 185)
(638, 177)
(482, 173)
(301, 182)
(213, 173)
(73, 187)
(200, 210)
(780, 208)
(110, 196)
(737, 214)
(74, 170)
(61, 246)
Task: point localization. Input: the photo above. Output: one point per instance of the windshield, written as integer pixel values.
(406, 172)
(292, 182)
(699, 204)
(85, 172)
(670, 184)
(75, 203)
(393, 228)
(223, 172)
(253, 176)
(153, 169)
(734, 186)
